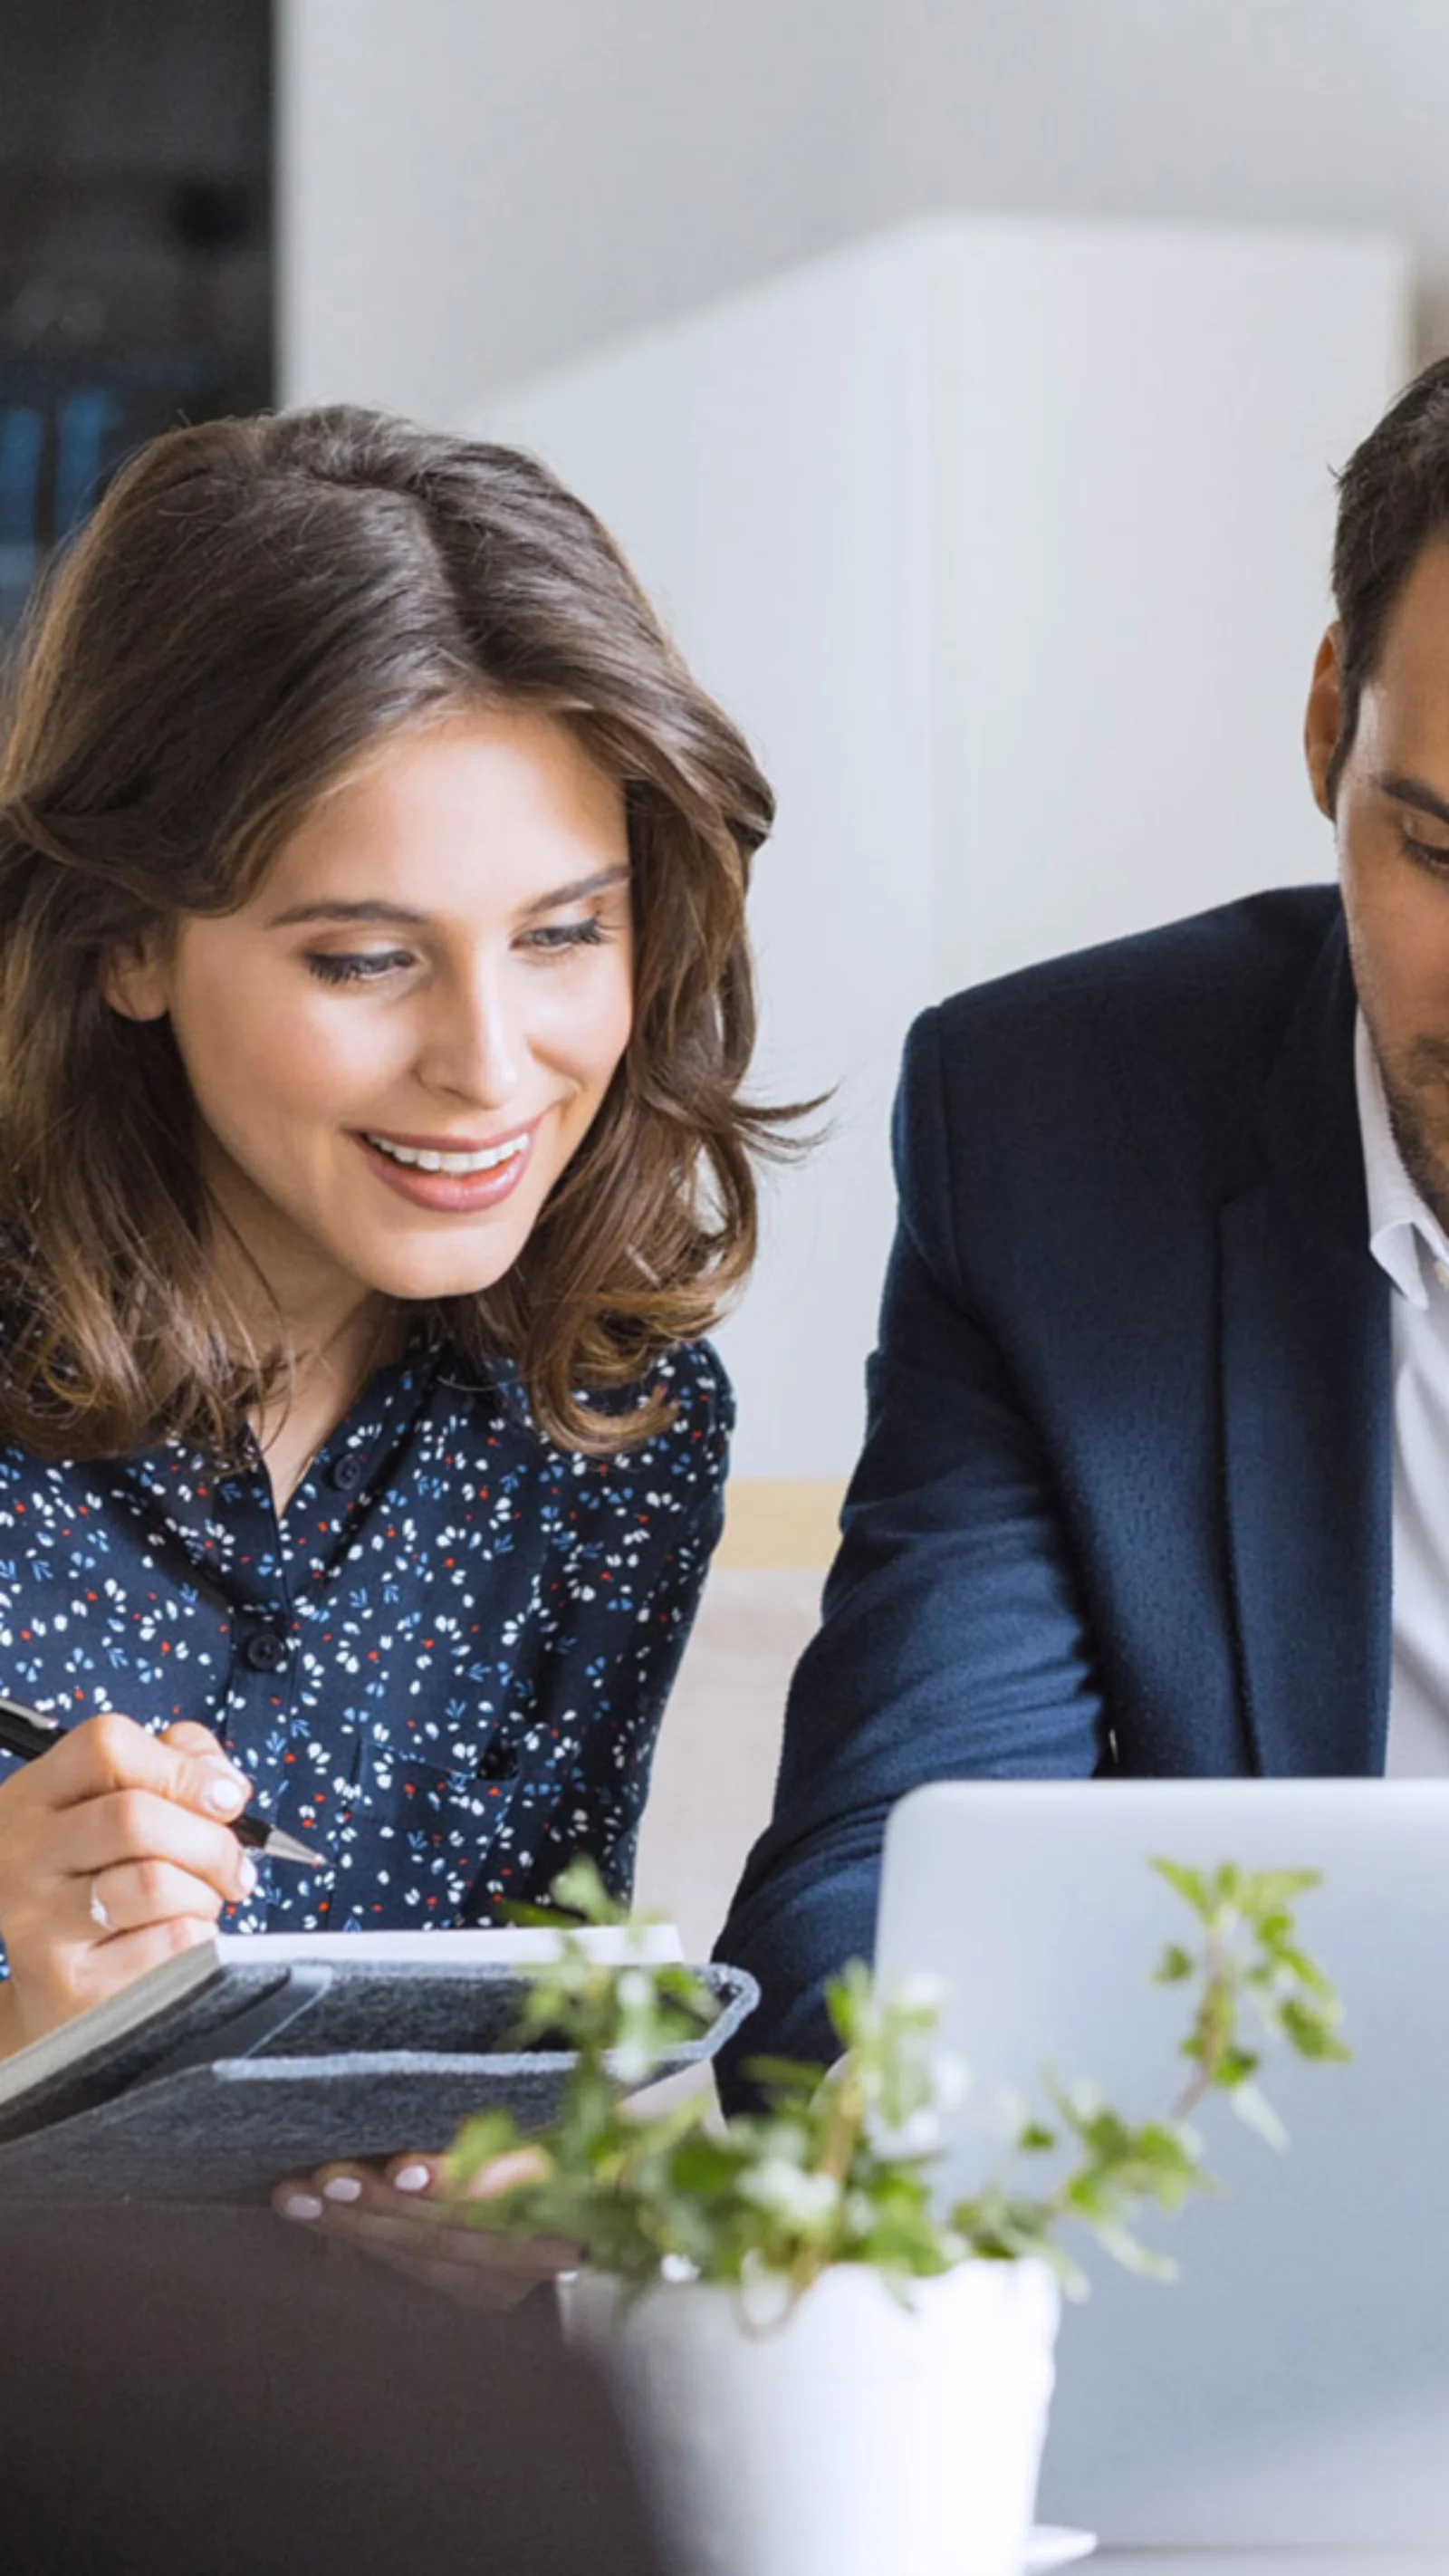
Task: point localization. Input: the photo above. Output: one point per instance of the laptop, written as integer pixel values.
(1291, 2388)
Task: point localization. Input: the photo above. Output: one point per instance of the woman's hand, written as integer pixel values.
(400, 2216)
(114, 1854)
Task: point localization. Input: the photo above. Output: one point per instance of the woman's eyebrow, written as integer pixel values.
(596, 884)
(370, 911)
(400, 917)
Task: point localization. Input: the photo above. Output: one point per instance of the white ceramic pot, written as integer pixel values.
(859, 2437)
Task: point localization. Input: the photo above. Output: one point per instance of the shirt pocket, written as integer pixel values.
(422, 1821)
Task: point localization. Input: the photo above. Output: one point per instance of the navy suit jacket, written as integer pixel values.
(1125, 1498)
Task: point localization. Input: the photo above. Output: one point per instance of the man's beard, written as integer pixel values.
(1427, 1169)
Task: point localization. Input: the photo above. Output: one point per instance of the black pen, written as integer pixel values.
(24, 1731)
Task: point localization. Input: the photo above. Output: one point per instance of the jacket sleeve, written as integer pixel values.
(953, 1643)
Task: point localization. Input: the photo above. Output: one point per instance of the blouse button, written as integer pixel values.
(348, 1470)
(500, 1762)
(266, 1652)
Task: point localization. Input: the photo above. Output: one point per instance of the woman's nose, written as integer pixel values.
(474, 1049)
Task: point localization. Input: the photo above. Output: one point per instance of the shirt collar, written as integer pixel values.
(1403, 1235)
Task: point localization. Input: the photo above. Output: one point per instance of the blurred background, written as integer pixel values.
(966, 381)
(136, 274)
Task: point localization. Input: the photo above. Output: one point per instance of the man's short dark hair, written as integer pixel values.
(1393, 496)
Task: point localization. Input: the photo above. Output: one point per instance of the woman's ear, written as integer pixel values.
(1324, 716)
(134, 979)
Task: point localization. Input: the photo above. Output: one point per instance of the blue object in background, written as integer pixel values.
(22, 458)
(63, 433)
(22, 446)
(84, 424)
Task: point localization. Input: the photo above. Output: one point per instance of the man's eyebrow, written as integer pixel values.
(1413, 791)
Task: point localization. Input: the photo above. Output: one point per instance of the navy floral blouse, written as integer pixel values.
(444, 1666)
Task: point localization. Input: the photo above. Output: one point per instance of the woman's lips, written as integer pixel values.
(453, 1193)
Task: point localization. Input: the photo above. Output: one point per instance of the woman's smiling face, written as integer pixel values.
(398, 1043)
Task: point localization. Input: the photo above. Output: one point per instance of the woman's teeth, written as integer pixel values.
(486, 1161)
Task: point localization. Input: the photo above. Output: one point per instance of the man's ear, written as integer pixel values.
(134, 979)
(1324, 716)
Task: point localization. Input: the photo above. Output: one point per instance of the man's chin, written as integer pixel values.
(1415, 1129)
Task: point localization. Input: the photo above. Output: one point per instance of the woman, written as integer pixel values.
(374, 1005)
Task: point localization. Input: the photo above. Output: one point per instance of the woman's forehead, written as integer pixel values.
(500, 805)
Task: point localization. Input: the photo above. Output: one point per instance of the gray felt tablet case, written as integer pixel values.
(267, 2072)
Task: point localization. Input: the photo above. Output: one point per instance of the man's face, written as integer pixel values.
(1392, 817)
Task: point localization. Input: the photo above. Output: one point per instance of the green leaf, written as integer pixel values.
(1269, 1892)
(1189, 1883)
(1129, 2251)
(785, 2075)
(1309, 2032)
(1234, 2068)
(1287, 1955)
(478, 2142)
(848, 2001)
(580, 1890)
(540, 1918)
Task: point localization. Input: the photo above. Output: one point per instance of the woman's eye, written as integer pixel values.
(561, 936)
(331, 968)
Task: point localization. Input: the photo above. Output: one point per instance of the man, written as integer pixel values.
(1156, 1474)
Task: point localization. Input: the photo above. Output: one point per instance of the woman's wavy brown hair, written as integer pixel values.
(254, 603)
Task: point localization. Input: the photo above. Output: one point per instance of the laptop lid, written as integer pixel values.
(1292, 2386)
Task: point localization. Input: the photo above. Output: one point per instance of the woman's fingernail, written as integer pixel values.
(247, 1873)
(301, 2204)
(224, 1792)
(412, 2178)
(342, 2187)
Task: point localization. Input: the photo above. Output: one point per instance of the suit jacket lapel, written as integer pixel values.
(1307, 1405)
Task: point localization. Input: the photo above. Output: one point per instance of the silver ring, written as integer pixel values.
(98, 1912)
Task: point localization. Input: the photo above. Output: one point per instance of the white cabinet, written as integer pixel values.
(1007, 542)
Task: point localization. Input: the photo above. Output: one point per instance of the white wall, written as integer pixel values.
(469, 188)
(473, 189)
(768, 468)
(1144, 424)
(1006, 542)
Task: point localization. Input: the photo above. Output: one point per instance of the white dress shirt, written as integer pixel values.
(1409, 1244)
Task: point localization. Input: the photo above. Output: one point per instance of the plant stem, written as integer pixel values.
(1212, 2030)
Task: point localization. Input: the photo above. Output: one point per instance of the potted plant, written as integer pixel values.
(829, 2368)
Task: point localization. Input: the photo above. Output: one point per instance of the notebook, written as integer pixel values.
(255, 2056)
